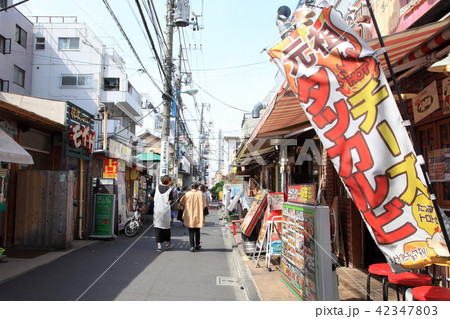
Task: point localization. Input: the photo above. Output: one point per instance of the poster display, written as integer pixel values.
(306, 263)
(258, 206)
(275, 201)
(104, 207)
(274, 206)
(439, 165)
(298, 260)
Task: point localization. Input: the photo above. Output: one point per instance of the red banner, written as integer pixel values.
(342, 89)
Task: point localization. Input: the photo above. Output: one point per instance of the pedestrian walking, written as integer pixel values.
(193, 217)
(173, 206)
(207, 195)
(162, 197)
(180, 206)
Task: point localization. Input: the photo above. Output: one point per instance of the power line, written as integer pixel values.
(128, 41)
(226, 104)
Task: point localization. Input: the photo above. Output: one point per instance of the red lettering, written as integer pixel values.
(392, 211)
(326, 39)
(296, 52)
(341, 126)
(363, 194)
(316, 87)
(343, 149)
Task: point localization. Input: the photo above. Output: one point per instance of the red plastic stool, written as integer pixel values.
(406, 280)
(382, 270)
(431, 293)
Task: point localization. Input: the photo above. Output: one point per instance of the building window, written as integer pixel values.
(40, 43)
(111, 84)
(3, 3)
(68, 43)
(81, 80)
(4, 86)
(5, 45)
(19, 76)
(21, 36)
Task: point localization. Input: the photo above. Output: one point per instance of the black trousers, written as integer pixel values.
(194, 237)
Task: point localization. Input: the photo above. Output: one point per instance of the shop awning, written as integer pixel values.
(254, 152)
(409, 45)
(283, 116)
(149, 157)
(12, 152)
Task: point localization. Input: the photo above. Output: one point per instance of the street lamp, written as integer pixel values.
(191, 92)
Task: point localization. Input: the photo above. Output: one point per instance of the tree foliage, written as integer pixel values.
(216, 189)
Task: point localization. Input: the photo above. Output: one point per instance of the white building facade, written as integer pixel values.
(16, 42)
(71, 63)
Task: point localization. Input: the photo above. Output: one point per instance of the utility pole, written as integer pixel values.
(168, 93)
(180, 18)
(201, 140)
(177, 120)
(220, 163)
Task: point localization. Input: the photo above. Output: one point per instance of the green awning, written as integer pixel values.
(150, 157)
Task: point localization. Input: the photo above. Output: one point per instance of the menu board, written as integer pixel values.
(274, 206)
(298, 251)
(275, 201)
(305, 193)
(439, 165)
(258, 206)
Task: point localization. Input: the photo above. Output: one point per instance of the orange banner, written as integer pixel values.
(340, 85)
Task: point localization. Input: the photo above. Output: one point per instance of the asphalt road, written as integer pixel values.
(131, 269)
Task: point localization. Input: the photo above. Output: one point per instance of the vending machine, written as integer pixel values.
(306, 260)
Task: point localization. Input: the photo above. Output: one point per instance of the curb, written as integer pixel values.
(242, 268)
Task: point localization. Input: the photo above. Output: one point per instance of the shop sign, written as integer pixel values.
(110, 167)
(305, 193)
(119, 150)
(426, 102)
(80, 137)
(340, 85)
(132, 174)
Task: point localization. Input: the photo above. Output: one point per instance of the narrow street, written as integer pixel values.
(132, 269)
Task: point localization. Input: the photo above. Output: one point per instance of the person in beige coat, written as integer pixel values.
(193, 218)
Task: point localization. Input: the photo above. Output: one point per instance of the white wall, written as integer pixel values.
(51, 63)
(19, 56)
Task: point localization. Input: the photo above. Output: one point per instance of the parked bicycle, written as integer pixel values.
(134, 225)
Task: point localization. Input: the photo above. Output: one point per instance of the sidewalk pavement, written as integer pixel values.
(269, 286)
(352, 281)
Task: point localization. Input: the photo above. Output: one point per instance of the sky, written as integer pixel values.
(226, 56)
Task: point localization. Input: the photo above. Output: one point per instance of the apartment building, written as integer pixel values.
(16, 41)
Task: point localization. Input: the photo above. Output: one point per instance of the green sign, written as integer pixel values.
(104, 215)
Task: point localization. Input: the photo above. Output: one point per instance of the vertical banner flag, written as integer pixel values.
(340, 85)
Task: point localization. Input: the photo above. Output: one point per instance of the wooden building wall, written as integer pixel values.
(44, 209)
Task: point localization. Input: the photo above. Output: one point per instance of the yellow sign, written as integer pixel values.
(110, 167)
